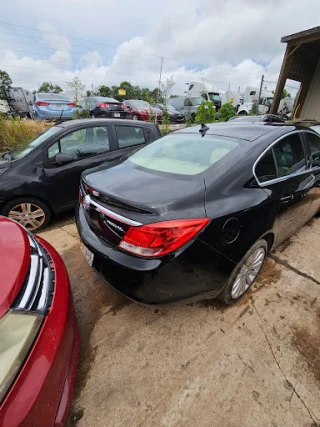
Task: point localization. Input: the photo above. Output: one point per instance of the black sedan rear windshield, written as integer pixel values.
(104, 99)
(183, 154)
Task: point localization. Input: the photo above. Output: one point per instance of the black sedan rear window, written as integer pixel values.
(183, 154)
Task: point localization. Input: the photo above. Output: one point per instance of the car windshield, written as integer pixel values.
(141, 104)
(102, 99)
(183, 154)
(20, 152)
(53, 97)
(214, 97)
(196, 100)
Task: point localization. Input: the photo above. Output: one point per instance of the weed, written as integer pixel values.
(16, 132)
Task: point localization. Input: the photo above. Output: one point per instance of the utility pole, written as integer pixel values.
(155, 115)
(262, 79)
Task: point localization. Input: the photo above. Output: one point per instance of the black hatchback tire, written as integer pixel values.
(245, 273)
(30, 212)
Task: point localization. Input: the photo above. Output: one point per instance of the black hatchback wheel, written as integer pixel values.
(32, 213)
(245, 273)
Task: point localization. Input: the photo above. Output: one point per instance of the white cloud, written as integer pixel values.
(224, 42)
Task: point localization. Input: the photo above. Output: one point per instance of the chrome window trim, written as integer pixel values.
(113, 214)
(312, 168)
(282, 178)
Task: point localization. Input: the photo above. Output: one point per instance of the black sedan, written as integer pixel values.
(42, 177)
(175, 116)
(194, 214)
(98, 106)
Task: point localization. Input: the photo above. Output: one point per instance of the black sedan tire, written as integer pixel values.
(30, 212)
(245, 273)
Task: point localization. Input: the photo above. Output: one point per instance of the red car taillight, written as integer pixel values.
(158, 239)
(71, 104)
(102, 105)
(42, 103)
(123, 106)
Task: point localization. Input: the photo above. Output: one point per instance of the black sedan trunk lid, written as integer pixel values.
(124, 194)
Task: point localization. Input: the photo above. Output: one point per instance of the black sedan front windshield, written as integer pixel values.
(20, 152)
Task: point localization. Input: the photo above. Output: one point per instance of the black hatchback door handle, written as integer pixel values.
(287, 198)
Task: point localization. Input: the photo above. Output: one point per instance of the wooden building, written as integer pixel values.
(302, 63)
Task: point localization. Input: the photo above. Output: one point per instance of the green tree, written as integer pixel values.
(76, 88)
(206, 113)
(226, 112)
(285, 94)
(105, 91)
(5, 82)
(49, 87)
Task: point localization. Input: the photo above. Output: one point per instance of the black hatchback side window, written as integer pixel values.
(266, 168)
(289, 155)
(130, 135)
(314, 144)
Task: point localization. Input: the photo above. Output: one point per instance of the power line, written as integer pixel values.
(61, 42)
(76, 38)
(98, 77)
(80, 57)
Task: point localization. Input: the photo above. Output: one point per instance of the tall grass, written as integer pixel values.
(16, 132)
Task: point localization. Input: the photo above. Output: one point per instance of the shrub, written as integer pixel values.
(206, 113)
(226, 112)
(166, 121)
(16, 132)
(254, 109)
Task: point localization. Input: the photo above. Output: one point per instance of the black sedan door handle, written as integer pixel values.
(287, 198)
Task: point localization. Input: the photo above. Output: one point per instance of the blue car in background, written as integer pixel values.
(53, 106)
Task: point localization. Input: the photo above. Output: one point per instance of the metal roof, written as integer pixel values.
(312, 33)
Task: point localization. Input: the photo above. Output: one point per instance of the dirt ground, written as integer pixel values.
(256, 363)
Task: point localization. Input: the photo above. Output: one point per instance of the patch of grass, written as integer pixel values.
(16, 132)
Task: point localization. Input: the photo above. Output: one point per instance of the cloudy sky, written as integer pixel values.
(227, 43)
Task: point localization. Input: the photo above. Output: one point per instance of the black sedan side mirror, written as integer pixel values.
(63, 159)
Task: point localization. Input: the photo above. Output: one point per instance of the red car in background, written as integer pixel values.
(39, 339)
(142, 110)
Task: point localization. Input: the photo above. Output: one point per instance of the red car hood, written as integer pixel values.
(14, 261)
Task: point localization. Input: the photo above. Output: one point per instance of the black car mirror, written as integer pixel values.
(63, 159)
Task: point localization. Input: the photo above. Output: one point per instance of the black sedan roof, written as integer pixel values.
(245, 131)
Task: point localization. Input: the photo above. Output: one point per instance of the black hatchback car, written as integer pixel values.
(194, 214)
(42, 177)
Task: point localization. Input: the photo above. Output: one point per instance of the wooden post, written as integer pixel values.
(281, 83)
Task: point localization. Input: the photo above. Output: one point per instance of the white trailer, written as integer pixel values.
(231, 97)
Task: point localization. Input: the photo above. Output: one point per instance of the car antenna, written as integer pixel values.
(204, 129)
(61, 115)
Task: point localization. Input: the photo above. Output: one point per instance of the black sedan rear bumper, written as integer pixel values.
(199, 272)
